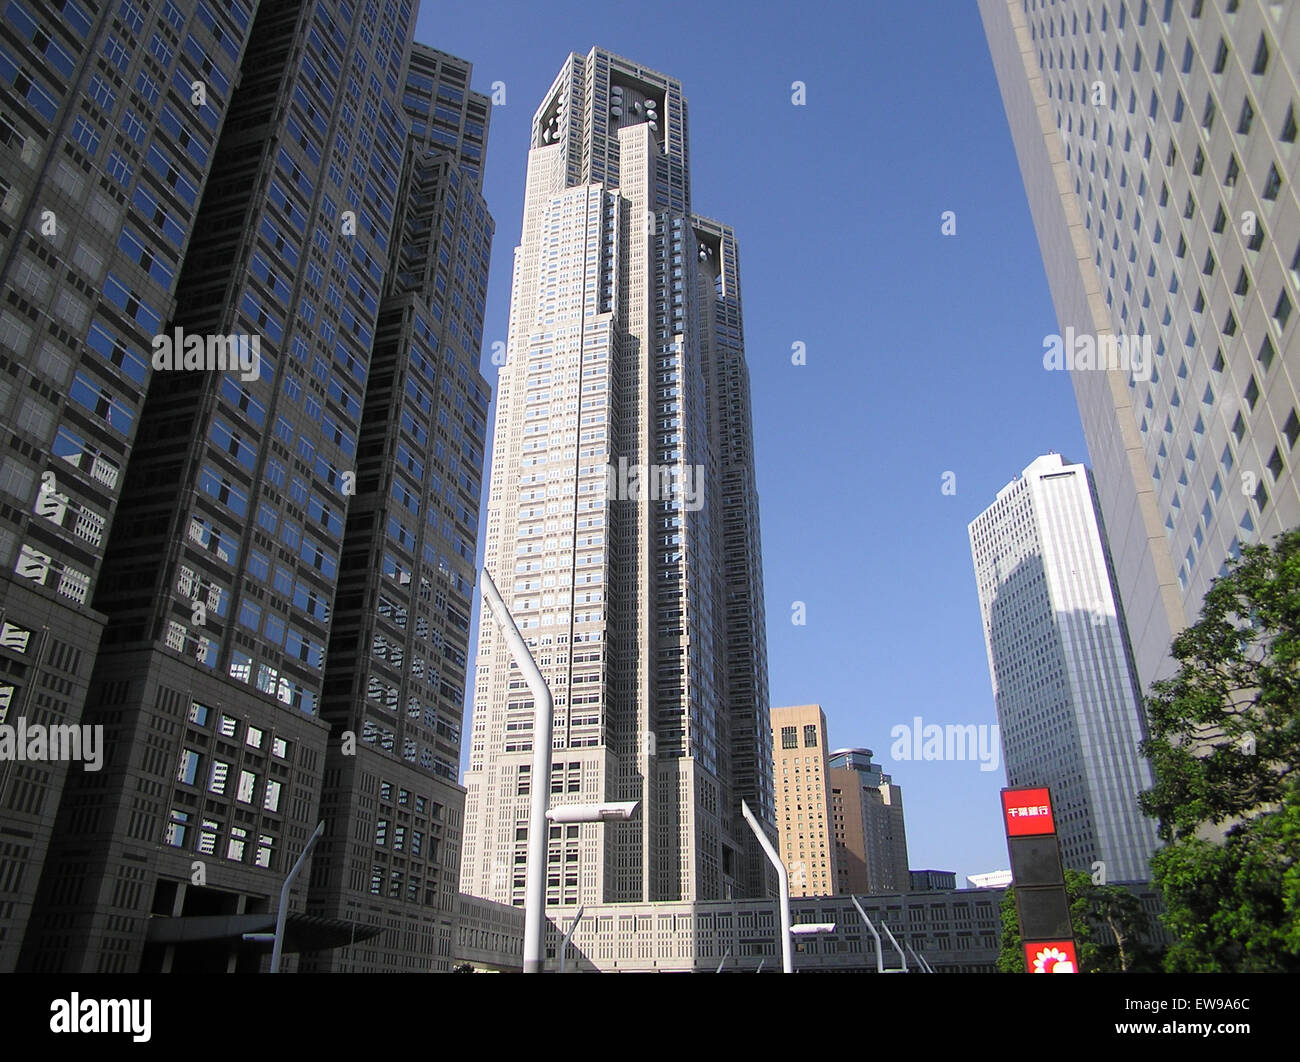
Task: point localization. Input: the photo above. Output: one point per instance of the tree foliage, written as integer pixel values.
(1224, 743)
(1110, 929)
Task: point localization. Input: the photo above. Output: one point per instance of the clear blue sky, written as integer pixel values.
(924, 352)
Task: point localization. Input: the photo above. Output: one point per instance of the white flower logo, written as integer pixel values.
(1052, 960)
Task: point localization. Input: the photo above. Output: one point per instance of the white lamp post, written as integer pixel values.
(783, 881)
(617, 811)
(880, 958)
(282, 913)
(543, 728)
(894, 942)
(921, 961)
(564, 946)
(543, 724)
(809, 929)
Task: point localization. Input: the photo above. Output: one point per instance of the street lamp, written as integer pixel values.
(619, 811)
(283, 913)
(564, 946)
(894, 942)
(808, 929)
(783, 881)
(880, 958)
(543, 724)
(921, 961)
(812, 929)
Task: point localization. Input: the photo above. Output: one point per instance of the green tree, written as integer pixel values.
(1011, 959)
(1224, 743)
(1107, 922)
(1121, 930)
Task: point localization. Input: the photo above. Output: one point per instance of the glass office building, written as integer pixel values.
(1064, 682)
(242, 687)
(106, 147)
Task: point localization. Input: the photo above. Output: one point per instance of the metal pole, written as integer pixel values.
(564, 945)
(543, 723)
(920, 962)
(783, 880)
(880, 955)
(724, 960)
(283, 913)
(760, 964)
(896, 947)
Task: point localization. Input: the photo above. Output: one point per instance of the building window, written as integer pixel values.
(810, 736)
(176, 828)
(247, 783)
(235, 849)
(1275, 465)
(1273, 184)
(1261, 57)
(789, 737)
(1291, 429)
(189, 767)
(265, 844)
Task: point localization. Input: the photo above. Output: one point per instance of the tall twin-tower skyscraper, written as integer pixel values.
(623, 518)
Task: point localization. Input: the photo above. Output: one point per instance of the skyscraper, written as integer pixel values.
(399, 636)
(1157, 141)
(326, 495)
(1064, 684)
(803, 800)
(622, 517)
(105, 148)
(867, 820)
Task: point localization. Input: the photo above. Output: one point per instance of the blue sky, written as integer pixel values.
(924, 351)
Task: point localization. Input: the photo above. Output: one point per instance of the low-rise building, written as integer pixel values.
(955, 932)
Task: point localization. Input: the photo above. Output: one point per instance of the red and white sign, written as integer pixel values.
(1056, 956)
(1027, 811)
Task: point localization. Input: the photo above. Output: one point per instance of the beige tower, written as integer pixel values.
(622, 522)
(803, 805)
(867, 820)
